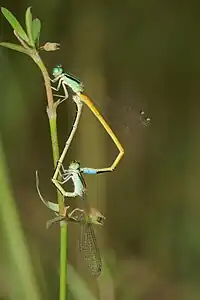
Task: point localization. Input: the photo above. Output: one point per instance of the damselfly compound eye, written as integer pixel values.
(100, 220)
(57, 70)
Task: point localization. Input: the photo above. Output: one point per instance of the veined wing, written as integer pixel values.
(88, 247)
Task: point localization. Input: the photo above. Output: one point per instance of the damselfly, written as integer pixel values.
(87, 241)
(85, 217)
(66, 80)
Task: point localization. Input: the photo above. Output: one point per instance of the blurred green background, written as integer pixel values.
(131, 55)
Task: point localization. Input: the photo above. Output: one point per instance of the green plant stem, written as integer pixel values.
(52, 116)
(63, 260)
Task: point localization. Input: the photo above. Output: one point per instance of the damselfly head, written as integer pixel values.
(75, 165)
(100, 220)
(96, 217)
(58, 70)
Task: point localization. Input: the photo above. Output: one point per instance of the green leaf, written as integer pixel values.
(15, 47)
(36, 28)
(15, 24)
(29, 26)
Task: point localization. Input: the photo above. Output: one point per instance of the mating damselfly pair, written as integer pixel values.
(87, 241)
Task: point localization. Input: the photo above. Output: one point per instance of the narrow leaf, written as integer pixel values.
(50, 205)
(29, 26)
(36, 28)
(15, 47)
(15, 24)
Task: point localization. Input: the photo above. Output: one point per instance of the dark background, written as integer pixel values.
(131, 56)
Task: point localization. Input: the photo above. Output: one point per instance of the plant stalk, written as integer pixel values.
(52, 116)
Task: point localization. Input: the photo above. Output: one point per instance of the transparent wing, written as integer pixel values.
(88, 247)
